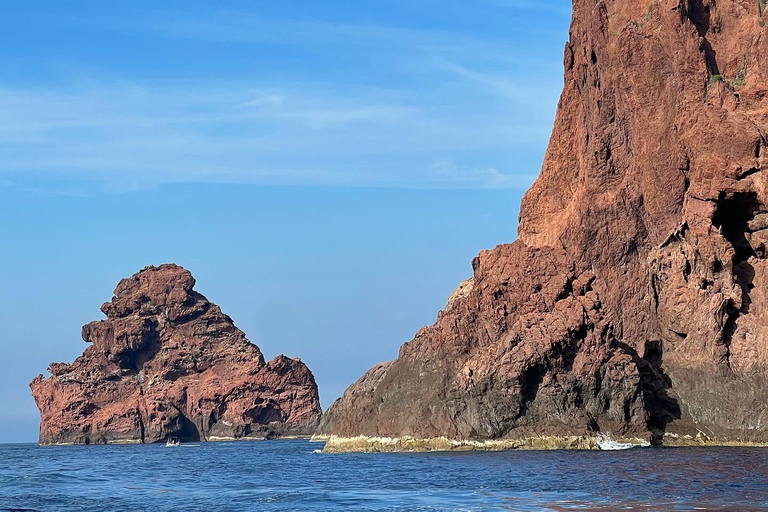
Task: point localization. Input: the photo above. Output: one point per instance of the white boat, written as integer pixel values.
(173, 441)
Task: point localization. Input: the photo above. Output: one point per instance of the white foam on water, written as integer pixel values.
(605, 442)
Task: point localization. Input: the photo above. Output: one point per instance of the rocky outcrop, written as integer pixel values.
(168, 363)
(635, 298)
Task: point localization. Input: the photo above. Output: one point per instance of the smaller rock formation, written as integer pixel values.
(168, 363)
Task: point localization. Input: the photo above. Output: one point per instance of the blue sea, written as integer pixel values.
(291, 475)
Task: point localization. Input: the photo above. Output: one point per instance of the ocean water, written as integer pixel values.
(289, 475)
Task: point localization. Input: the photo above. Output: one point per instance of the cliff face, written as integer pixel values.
(168, 363)
(634, 301)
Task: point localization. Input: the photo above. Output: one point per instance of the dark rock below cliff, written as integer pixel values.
(168, 363)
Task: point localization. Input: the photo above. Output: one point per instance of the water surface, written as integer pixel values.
(287, 475)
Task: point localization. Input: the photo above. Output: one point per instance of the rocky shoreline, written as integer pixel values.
(365, 444)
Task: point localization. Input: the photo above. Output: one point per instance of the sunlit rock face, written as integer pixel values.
(168, 363)
(634, 301)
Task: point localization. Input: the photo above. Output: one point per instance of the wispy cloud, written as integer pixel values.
(248, 135)
(518, 89)
(562, 7)
(61, 192)
(447, 173)
(239, 28)
(386, 44)
(368, 105)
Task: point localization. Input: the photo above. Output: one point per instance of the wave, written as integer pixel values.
(606, 442)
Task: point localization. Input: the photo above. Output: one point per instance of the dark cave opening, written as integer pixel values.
(530, 382)
(183, 428)
(732, 218)
(661, 408)
(188, 431)
(264, 412)
(653, 353)
(699, 13)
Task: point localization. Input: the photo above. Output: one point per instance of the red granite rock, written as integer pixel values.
(168, 363)
(634, 300)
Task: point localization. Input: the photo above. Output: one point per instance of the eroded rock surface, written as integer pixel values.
(634, 301)
(168, 363)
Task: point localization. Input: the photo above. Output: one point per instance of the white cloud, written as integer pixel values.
(448, 174)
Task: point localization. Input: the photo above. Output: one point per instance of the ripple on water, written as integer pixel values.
(287, 475)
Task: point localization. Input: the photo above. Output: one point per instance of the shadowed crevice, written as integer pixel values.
(732, 217)
(661, 409)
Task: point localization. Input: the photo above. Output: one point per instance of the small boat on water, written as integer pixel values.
(173, 441)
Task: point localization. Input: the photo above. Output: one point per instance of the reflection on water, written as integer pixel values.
(287, 475)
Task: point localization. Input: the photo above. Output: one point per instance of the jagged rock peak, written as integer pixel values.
(152, 288)
(166, 362)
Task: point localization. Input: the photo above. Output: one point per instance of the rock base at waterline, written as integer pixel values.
(335, 444)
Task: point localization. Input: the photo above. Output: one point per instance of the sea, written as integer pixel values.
(293, 475)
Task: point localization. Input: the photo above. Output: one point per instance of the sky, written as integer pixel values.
(326, 170)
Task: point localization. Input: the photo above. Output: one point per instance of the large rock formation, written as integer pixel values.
(635, 300)
(168, 363)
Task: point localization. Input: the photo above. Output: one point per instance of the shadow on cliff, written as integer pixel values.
(732, 218)
(699, 14)
(662, 409)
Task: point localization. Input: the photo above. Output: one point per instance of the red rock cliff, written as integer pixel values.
(636, 298)
(168, 363)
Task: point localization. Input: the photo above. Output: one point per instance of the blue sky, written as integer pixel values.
(326, 170)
